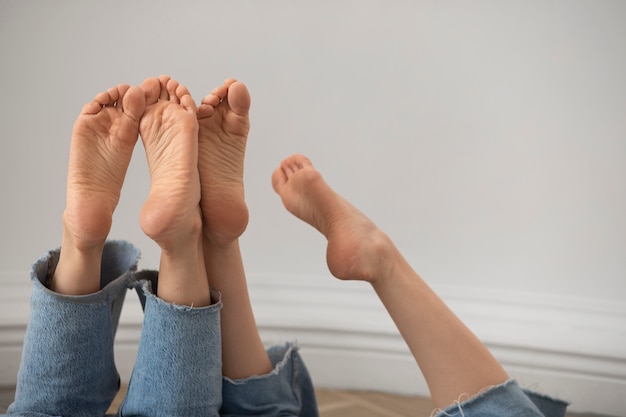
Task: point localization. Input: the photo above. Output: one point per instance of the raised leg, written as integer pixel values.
(452, 359)
(178, 368)
(171, 215)
(224, 126)
(67, 363)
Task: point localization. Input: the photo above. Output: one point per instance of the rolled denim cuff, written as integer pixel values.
(178, 371)
(550, 407)
(286, 391)
(67, 365)
(119, 261)
(506, 400)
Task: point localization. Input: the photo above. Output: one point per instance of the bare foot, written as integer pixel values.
(224, 126)
(171, 215)
(103, 140)
(169, 132)
(357, 248)
(454, 362)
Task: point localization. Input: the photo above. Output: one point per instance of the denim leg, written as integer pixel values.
(178, 371)
(507, 400)
(67, 366)
(286, 391)
(549, 407)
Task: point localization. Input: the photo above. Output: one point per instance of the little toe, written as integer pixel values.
(93, 107)
(181, 91)
(187, 102)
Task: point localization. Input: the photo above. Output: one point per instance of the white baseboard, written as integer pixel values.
(570, 348)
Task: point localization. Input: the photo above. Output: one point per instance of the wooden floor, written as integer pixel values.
(333, 403)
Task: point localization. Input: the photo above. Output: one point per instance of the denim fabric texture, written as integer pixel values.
(178, 372)
(68, 369)
(506, 400)
(273, 394)
(67, 366)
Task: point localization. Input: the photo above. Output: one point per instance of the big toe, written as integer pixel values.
(239, 98)
(134, 103)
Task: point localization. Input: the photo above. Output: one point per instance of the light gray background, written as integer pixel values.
(487, 138)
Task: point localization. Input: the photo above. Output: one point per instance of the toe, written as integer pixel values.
(220, 92)
(211, 100)
(172, 86)
(278, 179)
(103, 99)
(134, 103)
(152, 89)
(239, 98)
(93, 107)
(115, 93)
(187, 102)
(164, 79)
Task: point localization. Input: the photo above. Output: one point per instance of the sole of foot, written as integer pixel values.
(223, 131)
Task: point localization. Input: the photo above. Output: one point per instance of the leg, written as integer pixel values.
(171, 214)
(453, 360)
(67, 365)
(256, 382)
(177, 372)
(224, 126)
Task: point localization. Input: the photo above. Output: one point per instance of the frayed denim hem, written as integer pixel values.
(67, 365)
(119, 261)
(280, 362)
(505, 400)
(287, 390)
(144, 289)
(178, 371)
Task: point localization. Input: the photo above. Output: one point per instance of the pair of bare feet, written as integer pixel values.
(195, 156)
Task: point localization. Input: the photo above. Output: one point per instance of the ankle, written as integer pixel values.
(85, 238)
(182, 276)
(394, 273)
(78, 269)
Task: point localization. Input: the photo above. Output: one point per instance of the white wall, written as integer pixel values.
(487, 138)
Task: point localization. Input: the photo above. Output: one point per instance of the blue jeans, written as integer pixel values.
(68, 368)
(506, 400)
